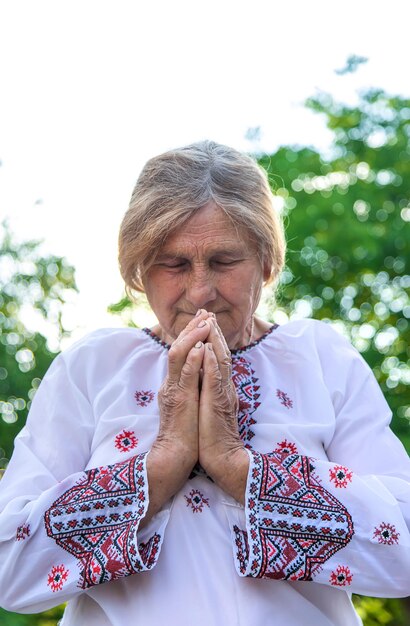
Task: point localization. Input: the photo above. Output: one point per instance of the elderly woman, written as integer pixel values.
(216, 469)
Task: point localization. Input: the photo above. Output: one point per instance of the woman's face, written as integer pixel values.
(207, 264)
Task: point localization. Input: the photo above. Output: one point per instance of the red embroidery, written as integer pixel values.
(97, 520)
(341, 577)
(196, 501)
(284, 399)
(149, 550)
(241, 542)
(246, 388)
(286, 447)
(126, 440)
(295, 524)
(386, 533)
(23, 532)
(143, 398)
(340, 476)
(57, 577)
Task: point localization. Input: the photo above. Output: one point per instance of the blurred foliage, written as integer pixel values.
(48, 618)
(347, 228)
(381, 612)
(352, 64)
(33, 287)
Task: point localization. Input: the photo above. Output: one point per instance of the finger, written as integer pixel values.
(200, 315)
(190, 371)
(222, 337)
(222, 353)
(211, 372)
(178, 352)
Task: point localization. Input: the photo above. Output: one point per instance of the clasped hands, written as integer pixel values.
(198, 415)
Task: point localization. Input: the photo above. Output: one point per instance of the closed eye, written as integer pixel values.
(226, 262)
(173, 265)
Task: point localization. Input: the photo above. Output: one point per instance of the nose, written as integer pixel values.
(200, 289)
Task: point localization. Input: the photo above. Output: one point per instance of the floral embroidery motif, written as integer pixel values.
(295, 524)
(196, 501)
(284, 399)
(126, 440)
(96, 520)
(23, 532)
(143, 398)
(243, 377)
(57, 577)
(286, 447)
(386, 533)
(341, 576)
(340, 476)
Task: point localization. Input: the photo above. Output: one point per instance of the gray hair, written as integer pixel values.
(176, 184)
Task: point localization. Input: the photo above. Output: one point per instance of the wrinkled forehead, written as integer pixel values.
(209, 227)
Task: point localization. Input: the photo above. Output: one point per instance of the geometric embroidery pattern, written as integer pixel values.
(143, 398)
(284, 399)
(57, 577)
(126, 440)
(341, 576)
(23, 532)
(295, 524)
(387, 534)
(247, 390)
(96, 520)
(196, 501)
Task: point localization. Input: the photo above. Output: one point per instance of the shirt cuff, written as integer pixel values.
(97, 519)
(292, 523)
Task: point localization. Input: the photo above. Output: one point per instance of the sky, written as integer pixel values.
(91, 89)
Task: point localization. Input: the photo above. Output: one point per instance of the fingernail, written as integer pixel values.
(201, 324)
(198, 344)
(199, 311)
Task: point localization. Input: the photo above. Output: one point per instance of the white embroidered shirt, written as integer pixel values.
(327, 509)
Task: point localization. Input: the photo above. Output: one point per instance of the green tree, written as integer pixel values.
(31, 284)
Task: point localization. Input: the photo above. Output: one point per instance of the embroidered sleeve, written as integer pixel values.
(342, 519)
(300, 526)
(79, 533)
(97, 520)
(76, 534)
(63, 529)
(293, 524)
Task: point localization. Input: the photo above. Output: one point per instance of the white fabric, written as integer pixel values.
(204, 559)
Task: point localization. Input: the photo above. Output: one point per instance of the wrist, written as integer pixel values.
(230, 472)
(172, 458)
